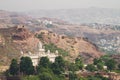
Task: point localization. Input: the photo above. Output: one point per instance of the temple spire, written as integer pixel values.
(40, 45)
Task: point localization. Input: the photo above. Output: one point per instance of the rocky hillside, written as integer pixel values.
(105, 36)
(77, 47)
(15, 39)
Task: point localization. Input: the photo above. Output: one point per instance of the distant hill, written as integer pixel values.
(10, 19)
(82, 15)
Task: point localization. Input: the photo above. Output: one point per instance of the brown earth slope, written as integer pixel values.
(13, 40)
(75, 46)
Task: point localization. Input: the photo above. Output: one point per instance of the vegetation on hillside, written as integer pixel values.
(53, 48)
(61, 69)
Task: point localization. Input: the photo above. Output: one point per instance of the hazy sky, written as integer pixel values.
(26, 5)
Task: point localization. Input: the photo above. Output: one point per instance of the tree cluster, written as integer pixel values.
(47, 70)
(25, 67)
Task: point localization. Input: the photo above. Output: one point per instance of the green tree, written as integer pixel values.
(42, 69)
(72, 67)
(111, 64)
(119, 66)
(96, 61)
(44, 61)
(44, 64)
(99, 63)
(26, 66)
(79, 63)
(45, 76)
(14, 68)
(40, 36)
(72, 76)
(67, 64)
(58, 66)
(90, 67)
(100, 66)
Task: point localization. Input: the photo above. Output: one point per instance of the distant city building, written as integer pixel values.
(40, 52)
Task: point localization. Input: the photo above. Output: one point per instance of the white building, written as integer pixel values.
(40, 52)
